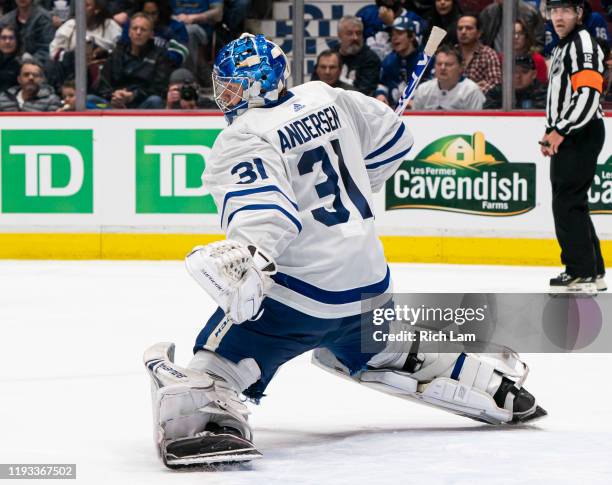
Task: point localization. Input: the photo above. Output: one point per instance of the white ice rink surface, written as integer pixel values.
(73, 390)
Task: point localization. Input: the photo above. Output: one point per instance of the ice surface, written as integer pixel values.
(74, 391)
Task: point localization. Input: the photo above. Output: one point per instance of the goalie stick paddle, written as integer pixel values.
(434, 40)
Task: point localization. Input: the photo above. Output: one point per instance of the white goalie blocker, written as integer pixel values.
(484, 387)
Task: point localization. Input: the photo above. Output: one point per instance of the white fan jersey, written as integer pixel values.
(296, 179)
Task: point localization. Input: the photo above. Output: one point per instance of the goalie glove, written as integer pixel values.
(234, 275)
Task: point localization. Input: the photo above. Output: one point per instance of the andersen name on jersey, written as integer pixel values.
(308, 128)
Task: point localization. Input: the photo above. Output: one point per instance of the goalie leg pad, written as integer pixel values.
(193, 411)
(238, 376)
(470, 385)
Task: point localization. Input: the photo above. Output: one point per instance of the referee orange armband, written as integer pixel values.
(589, 79)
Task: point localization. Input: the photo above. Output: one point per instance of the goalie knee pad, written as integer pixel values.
(484, 387)
(191, 404)
(239, 376)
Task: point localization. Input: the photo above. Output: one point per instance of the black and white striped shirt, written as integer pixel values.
(575, 83)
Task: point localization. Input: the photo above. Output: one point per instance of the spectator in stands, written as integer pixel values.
(235, 13)
(421, 7)
(445, 15)
(491, 21)
(6, 6)
(536, 4)
(199, 16)
(170, 34)
(101, 36)
(524, 45)
(31, 92)
(9, 57)
(136, 73)
(606, 6)
(328, 69)
(592, 21)
(102, 31)
(184, 92)
(60, 10)
(607, 100)
(449, 90)
(529, 93)
(480, 63)
(398, 65)
(388, 11)
(68, 96)
(378, 19)
(361, 67)
(33, 26)
(121, 10)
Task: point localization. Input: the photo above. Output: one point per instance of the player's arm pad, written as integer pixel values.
(236, 276)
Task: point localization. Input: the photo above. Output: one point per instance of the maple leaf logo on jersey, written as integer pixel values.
(297, 107)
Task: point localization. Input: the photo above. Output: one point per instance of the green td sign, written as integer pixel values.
(47, 171)
(169, 166)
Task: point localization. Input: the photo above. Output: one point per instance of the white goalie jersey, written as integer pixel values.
(296, 179)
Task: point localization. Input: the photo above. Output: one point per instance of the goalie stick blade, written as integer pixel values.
(433, 42)
(209, 449)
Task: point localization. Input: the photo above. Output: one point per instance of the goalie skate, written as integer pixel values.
(223, 446)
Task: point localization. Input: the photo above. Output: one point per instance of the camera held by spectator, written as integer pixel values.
(184, 92)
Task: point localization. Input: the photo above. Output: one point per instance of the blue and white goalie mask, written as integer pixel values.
(249, 72)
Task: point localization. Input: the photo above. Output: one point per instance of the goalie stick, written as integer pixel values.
(433, 42)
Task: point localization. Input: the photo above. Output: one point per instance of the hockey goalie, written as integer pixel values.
(293, 176)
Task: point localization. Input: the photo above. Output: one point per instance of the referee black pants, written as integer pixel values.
(572, 171)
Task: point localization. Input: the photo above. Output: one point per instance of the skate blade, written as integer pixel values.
(209, 449)
(539, 413)
(586, 289)
(226, 458)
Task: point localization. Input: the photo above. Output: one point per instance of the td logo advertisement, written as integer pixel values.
(169, 166)
(463, 173)
(47, 171)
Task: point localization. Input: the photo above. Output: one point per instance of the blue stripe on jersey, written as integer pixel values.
(273, 104)
(389, 144)
(458, 367)
(255, 207)
(265, 188)
(388, 160)
(331, 297)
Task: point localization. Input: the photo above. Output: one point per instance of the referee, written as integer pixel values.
(574, 137)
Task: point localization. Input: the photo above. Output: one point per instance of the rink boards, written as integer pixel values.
(473, 189)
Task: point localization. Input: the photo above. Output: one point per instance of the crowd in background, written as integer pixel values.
(378, 49)
(157, 54)
(139, 53)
